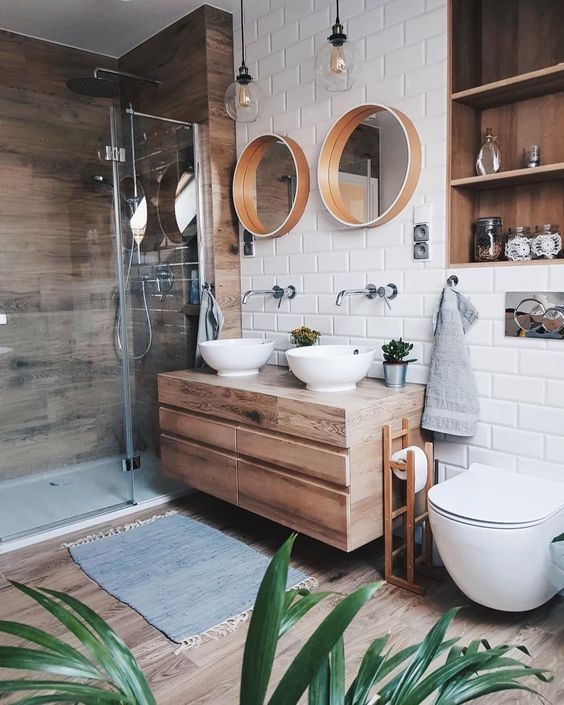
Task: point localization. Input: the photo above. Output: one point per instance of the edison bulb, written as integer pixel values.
(334, 66)
(242, 101)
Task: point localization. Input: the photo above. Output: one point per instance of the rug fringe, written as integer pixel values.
(116, 530)
(232, 624)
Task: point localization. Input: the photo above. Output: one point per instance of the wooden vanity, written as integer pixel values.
(307, 460)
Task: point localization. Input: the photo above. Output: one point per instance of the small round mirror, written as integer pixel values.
(271, 185)
(369, 165)
(177, 202)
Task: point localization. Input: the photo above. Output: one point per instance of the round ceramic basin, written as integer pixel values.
(330, 368)
(236, 357)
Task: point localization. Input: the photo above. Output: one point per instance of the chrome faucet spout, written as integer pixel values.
(255, 292)
(369, 291)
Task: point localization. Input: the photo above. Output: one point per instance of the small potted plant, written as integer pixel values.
(395, 364)
(304, 336)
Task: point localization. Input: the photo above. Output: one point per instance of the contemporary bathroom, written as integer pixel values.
(281, 352)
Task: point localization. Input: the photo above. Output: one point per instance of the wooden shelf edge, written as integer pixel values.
(547, 172)
(527, 263)
(516, 88)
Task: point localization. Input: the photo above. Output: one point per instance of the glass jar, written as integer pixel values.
(488, 239)
(518, 245)
(546, 242)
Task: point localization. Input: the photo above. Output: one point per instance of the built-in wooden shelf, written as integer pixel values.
(511, 90)
(516, 177)
(506, 73)
(505, 263)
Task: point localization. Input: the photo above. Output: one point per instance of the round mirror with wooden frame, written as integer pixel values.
(271, 185)
(369, 165)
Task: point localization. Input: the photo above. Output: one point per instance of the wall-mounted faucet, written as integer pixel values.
(388, 293)
(277, 292)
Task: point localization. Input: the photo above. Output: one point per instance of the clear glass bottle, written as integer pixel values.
(488, 239)
(488, 160)
(546, 242)
(518, 245)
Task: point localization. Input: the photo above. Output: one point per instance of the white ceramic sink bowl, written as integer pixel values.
(330, 368)
(237, 357)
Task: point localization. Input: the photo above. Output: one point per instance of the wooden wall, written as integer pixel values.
(194, 60)
(59, 374)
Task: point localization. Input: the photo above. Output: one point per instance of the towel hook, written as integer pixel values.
(452, 280)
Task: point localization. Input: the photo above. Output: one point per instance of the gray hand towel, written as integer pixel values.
(451, 400)
(210, 323)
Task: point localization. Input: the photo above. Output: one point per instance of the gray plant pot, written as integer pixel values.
(395, 374)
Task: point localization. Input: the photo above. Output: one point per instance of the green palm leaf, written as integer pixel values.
(78, 690)
(315, 652)
(264, 628)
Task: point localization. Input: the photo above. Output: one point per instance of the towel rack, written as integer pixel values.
(452, 280)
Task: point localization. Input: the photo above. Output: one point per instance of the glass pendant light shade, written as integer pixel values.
(243, 96)
(335, 61)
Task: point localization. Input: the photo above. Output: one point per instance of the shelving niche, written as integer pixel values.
(506, 71)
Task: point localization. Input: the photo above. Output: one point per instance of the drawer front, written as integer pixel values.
(202, 468)
(301, 504)
(313, 460)
(198, 428)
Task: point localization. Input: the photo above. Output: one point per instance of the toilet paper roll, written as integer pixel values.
(420, 466)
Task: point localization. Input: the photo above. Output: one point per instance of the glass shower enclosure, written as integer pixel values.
(100, 279)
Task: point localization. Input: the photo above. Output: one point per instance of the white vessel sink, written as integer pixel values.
(237, 357)
(330, 368)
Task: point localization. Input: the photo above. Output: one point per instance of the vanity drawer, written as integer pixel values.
(202, 468)
(198, 428)
(303, 505)
(310, 459)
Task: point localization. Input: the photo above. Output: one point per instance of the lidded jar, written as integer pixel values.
(518, 245)
(546, 242)
(488, 239)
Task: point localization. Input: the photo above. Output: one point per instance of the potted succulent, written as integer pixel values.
(395, 364)
(303, 337)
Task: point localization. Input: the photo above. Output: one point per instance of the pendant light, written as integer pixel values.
(242, 98)
(335, 61)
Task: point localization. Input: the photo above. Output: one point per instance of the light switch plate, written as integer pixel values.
(423, 213)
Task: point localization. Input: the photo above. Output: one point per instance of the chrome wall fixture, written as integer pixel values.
(278, 292)
(388, 293)
(537, 315)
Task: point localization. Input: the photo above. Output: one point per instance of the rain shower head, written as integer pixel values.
(96, 86)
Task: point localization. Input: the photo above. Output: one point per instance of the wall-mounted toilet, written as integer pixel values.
(493, 529)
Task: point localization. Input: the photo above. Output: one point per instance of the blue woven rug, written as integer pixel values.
(187, 579)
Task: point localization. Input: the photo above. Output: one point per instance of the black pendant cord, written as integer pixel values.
(243, 37)
(337, 19)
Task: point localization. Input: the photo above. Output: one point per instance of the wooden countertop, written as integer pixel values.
(276, 400)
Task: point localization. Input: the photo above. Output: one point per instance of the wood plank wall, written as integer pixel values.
(194, 60)
(59, 375)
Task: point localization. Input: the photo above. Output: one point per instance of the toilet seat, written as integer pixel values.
(489, 497)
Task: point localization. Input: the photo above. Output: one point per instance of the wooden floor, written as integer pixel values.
(210, 674)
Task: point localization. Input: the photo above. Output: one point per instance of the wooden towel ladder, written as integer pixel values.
(406, 511)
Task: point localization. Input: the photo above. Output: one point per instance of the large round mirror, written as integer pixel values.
(369, 165)
(271, 185)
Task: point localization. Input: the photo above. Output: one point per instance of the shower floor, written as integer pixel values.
(36, 502)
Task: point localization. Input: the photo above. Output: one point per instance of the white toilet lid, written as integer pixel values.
(493, 496)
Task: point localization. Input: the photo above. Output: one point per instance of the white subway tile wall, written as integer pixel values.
(401, 49)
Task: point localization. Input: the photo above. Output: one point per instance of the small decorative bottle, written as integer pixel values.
(488, 160)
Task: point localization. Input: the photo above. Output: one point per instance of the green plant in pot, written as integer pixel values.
(102, 671)
(303, 337)
(395, 364)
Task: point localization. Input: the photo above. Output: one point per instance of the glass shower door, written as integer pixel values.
(63, 416)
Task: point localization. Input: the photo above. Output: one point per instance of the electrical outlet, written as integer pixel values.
(421, 250)
(248, 244)
(421, 232)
